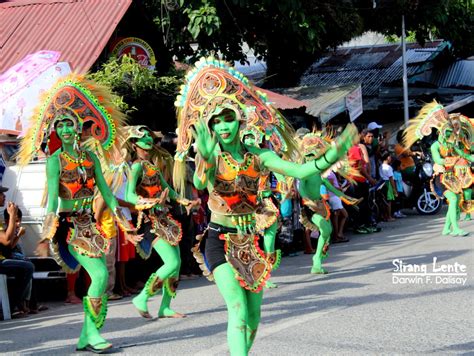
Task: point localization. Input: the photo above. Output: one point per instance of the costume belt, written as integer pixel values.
(247, 260)
(85, 236)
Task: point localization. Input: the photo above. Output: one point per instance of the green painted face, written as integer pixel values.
(65, 130)
(146, 141)
(226, 127)
(249, 140)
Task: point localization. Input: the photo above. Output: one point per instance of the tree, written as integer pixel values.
(291, 34)
(145, 97)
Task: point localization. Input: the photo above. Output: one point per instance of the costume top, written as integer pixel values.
(236, 185)
(150, 183)
(76, 178)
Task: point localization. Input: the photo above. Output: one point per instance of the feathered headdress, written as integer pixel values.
(213, 86)
(431, 116)
(81, 101)
(314, 145)
(434, 116)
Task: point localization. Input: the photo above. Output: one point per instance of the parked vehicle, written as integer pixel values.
(418, 192)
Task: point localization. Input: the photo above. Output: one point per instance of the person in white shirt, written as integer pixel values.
(390, 189)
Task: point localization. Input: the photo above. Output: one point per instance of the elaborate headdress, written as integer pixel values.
(158, 156)
(434, 116)
(213, 86)
(81, 101)
(315, 144)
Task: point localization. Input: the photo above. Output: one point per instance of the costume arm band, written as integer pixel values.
(122, 222)
(50, 225)
(145, 203)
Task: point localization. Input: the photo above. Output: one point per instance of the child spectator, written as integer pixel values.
(390, 189)
(397, 177)
(338, 213)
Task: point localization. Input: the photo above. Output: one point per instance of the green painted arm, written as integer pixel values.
(52, 174)
(467, 156)
(171, 192)
(102, 184)
(301, 171)
(331, 188)
(135, 174)
(435, 154)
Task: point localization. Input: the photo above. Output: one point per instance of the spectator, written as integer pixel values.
(30, 304)
(405, 155)
(21, 270)
(397, 177)
(373, 147)
(358, 156)
(338, 213)
(390, 189)
(367, 138)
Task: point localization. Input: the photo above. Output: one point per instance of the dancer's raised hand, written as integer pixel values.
(205, 142)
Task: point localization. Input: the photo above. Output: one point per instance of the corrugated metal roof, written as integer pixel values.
(79, 29)
(319, 99)
(372, 66)
(458, 74)
(282, 102)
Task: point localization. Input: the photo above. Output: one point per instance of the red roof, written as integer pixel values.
(78, 29)
(282, 102)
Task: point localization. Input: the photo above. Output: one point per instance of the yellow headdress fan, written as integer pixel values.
(83, 102)
(431, 116)
(213, 86)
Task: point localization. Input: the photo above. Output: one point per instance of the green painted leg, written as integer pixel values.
(169, 292)
(467, 197)
(452, 214)
(325, 230)
(254, 304)
(269, 237)
(152, 286)
(447, 226)
(169, 272)
(95, 304)
(236, 301)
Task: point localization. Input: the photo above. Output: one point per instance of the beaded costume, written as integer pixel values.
(210, 88)
(452, 154)
(74, 173)
(315, 212)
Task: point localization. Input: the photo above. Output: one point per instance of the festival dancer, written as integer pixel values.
(315, 213)
(148, 191)
(217, 105)
(451, 154)
(267, 212)
(73, 172)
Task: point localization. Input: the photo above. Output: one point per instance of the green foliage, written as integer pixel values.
(291, 34)
(204, 19)
(125, 75)
(139, 92)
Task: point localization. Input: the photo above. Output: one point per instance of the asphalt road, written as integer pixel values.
(362, 307)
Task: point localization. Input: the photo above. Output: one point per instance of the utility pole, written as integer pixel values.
(405, 79)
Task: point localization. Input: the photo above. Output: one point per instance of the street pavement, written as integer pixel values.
(359, 308)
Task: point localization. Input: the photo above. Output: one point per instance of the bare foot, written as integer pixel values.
(173, 316)
(73, 299)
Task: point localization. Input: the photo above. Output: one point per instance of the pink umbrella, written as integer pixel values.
(22, 85)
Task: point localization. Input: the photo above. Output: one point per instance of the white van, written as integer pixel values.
(26, 187)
